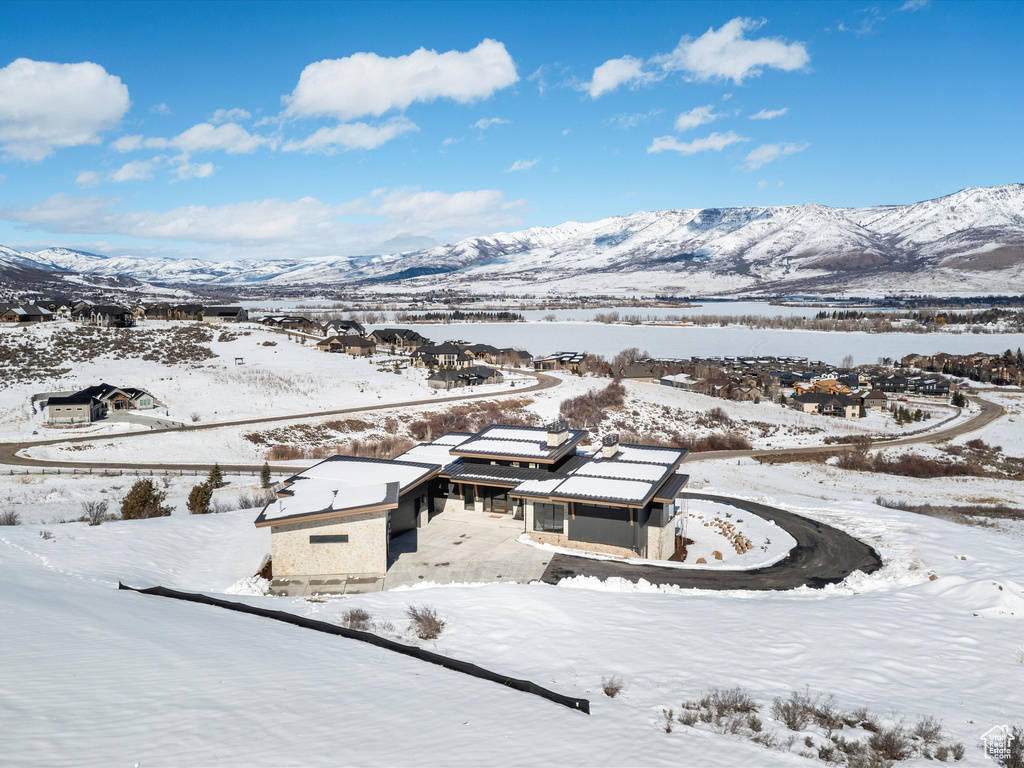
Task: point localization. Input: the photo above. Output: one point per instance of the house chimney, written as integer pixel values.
(610, 446)
(558, 433)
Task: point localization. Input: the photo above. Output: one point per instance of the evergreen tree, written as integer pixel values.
(265, 476)
(143, 501)
(199, 499)
(216, 478)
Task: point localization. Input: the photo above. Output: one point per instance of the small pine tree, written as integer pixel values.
(143, 501)
(199, 499)
(265, 476)
(216, 478)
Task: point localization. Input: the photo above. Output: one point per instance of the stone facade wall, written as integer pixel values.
(366, 550)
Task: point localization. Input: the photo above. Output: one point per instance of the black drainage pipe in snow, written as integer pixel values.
(582, 705)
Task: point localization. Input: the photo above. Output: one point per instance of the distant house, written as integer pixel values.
(104, 316)
(349, 345)
(24, 313)
(187, 312)
(398, 339)
(93, 403)
(828, 405)
(161, 311)
(874, 400)
(472, 376)
(342, 328)
(447, 355)
(678, 381)
(224, 315)
(295, 323)
(560, 361)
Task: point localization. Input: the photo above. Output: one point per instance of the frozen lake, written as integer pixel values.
(668, 341)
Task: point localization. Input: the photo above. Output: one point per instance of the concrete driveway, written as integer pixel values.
(463, 546)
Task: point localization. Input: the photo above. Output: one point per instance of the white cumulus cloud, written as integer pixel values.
(205, 137)
(351, 136)
(766, 153)
(716, 142)
(88, 179)
(160, 109)
(695, 117)
(135, 170)
(628, 70)
(521, 165)
(45, 106)
(368, 84)
(769, 114)
(726, 53)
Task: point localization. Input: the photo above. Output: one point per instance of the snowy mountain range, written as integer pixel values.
(970, 242)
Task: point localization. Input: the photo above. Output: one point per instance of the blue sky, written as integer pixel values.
(290, 130)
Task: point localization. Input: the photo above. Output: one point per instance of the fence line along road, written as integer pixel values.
(8, 451)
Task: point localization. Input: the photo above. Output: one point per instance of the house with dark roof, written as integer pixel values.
(398, 339)
(104, 316)
(349, 345)
(822, 403)
(470, 376)
(339, 327)
(225, 315)
(94, 403)
(447, 355)
(338, 518)
(24, 313)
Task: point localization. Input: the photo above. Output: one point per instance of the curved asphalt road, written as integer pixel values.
(822, 555)
(989, 412)
(9, 451)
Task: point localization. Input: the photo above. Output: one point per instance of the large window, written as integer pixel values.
(548, 518)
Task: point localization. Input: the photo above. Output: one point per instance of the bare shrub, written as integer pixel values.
(612, 686)
(928, 730)
(718, 416)
(795, 712)
(260, 498)
(95, 512)
(474, 417)
(669, 717)
(1015, 756)
(587, 411)
(827, 714)
(891, 743)
(220, 506)
(194, 416)
(10, 517)
(689, 717)
(46, 535)
(754, 723)
(729, 701)
(425, 622)
(357, 618)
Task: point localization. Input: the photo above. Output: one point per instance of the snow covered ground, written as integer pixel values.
(277, 376)
(95, 676)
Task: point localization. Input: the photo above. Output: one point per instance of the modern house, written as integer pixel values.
(349, 345)
(93, 403)
(560, 361)
(225, 315)
(337, 518)
(874, 400)
(471, 376)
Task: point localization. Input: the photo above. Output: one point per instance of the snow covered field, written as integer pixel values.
(95, 676)
(277, 376)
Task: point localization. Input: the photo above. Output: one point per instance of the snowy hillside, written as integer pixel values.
(970, 242)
